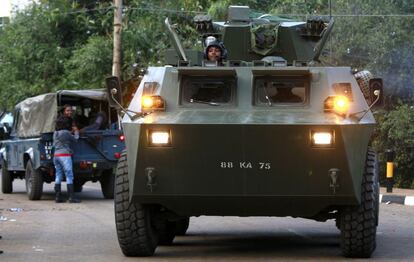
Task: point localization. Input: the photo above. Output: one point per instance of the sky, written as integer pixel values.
(6, 6)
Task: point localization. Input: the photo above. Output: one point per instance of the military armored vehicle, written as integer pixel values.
(265, 132)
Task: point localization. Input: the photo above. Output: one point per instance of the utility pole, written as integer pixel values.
(116, 62)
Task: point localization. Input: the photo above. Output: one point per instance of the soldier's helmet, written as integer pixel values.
(212, 41)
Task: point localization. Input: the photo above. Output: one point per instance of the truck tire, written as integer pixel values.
(376, 187)
(134, 222)
(181, 226)
(338, 222)
(6, 179)
(34, 182)
(359, 223)
(107, 181)
(166, 232)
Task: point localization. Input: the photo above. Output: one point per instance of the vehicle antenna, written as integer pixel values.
(330, 9)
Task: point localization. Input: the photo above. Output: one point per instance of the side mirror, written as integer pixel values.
(113, 87)
(376, 92)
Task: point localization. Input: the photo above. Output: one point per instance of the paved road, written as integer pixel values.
(45, 231)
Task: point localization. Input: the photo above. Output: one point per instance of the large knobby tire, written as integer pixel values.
(107, 181)
(6, 179)
(166, 231)
(359, 223)
(134, 222)
(34, 182)
(376, 188)
(181, 226)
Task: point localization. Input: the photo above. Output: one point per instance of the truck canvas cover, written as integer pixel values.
(37, 114)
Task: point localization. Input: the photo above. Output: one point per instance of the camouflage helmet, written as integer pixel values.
(363, 78)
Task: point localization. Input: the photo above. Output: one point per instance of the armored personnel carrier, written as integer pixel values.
(261, 131)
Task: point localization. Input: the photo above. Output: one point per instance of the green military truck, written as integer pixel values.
(266, 132)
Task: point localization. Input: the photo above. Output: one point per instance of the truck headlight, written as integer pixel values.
(159, 138)
(322, 138)
(338, 104)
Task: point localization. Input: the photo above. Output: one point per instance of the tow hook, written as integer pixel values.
(334, 175)
(150, 173)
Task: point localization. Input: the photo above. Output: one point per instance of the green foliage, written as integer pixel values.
(36, 49)
(89, 64)
(30, 57)
(144, 35)
(396, 132)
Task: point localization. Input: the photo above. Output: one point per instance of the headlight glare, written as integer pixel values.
(147, 102)
(338, 104)
(160, 138)
(322, 138)
(150, 103)
(341, 104)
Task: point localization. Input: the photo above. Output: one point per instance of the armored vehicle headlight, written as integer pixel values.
(159, 138)
(322, 138)
(147, 102)
(152, 103)
(337, 104)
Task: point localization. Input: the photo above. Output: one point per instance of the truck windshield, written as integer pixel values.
(273, 90)
(208, 90)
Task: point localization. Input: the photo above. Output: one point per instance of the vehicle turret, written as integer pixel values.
(267, 38)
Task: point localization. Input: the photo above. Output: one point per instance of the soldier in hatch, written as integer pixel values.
(215, 50)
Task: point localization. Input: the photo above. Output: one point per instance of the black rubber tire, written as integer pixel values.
(181, 226)
(165, 231)
(134, 222)
(107, 181)
(338, 222)
(376, 187)
(34, 182)
(359, 223)
(6, 179)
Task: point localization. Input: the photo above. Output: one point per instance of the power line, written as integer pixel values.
(366, 15)
(82, 11)
(126, 9)
(350, 15)
(157, 9)
(165, 10)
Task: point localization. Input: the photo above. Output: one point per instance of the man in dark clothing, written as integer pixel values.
(62, 140)
(98, 123)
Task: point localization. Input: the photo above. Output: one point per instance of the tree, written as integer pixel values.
(396, 132)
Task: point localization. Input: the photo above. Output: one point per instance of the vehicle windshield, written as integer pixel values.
(208, 90)
(273, 90)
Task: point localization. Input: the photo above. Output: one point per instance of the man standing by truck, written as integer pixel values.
(62, 140)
